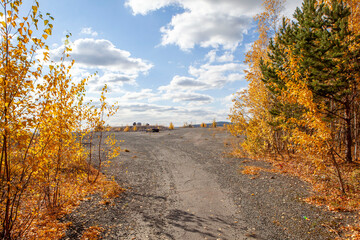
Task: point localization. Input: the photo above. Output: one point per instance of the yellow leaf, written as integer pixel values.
(48, 31)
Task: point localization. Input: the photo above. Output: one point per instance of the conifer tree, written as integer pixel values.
(330, 58)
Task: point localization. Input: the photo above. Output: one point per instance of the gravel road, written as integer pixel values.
(182, 185)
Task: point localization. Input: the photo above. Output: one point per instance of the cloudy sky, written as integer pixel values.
(163, 60)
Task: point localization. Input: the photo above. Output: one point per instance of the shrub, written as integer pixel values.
(214, 123)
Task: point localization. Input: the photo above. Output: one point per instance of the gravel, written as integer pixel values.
(181, 184)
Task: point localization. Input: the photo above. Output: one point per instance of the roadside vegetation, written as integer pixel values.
(47, 131)
(214, 124)
(301, 109)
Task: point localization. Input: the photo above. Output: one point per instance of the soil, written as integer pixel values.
(181, 184)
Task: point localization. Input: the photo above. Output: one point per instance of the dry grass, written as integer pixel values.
(351, 232)
(251, 170)
(47, 226)
(325, 185)
(92, 233)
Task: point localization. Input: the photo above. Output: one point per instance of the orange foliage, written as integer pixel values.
(126, 129)
(249, 114)
(43, 167)
(47, 226)
(214, 124)
(251, 170)
(301, 145)
(92, 233)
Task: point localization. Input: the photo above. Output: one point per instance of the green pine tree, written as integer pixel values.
(330, 61)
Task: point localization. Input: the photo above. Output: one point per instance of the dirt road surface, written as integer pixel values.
(182, 185)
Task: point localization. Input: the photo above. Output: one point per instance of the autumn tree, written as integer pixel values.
(321, 38)
(21, 111)
(250, 115)
(302, 102)
(41, 123)
(214, 124)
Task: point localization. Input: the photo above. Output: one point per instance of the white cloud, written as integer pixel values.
(183, 89)
(211, 56)
(248, 46)
(208, 23)
(88, 31)
(163, 114)
(217, 76)
(144, 7)
(234, 7)
(144, 94)
(290, 6)
(189, 28)
(114, 80)
(227, 57)
(183, 83)
(112, 77)
(206, 77)
(188, 97)
(101, 53)
(116, 67)
(227, 101)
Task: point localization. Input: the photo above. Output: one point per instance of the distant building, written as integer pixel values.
(138, 124)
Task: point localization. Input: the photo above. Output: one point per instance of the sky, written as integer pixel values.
(163, 61)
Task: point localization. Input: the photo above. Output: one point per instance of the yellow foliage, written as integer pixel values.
(171, 127)
(92, 233)
(251, 170)
(309, 143)
(214, 123)
(111, 189)
(250, 115)
(126, 129)
(135, 128)
(318, 141)
(203, 125)
(43, 124)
